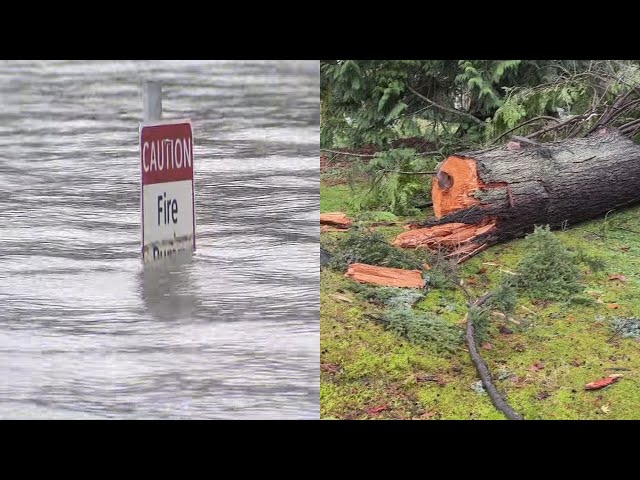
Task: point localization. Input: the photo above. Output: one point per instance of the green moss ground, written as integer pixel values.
(368, 372)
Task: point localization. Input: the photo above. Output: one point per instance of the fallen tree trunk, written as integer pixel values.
(493, 196)
(390, 277)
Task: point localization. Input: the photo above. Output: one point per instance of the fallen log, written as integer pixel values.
(335, 219)
(389, 277)
(492, 196)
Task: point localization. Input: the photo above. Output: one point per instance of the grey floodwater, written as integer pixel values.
(86, 331)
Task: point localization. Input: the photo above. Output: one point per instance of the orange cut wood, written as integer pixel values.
(454, 186)
(389, 277)
(449, 235)
(335, 219)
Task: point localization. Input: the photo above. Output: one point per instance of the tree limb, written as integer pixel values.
(348, 153)
(483, 371)
(556, 126)
(531, 120)
(446, 109)
(408, 173)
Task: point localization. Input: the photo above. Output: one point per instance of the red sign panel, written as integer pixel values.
(166, 153)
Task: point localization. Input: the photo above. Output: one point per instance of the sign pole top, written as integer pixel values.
(152, 98)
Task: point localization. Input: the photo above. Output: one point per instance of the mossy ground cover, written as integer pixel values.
(555, 347)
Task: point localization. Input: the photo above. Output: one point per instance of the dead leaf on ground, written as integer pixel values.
(603, 382)
(341, 298)
(625, 248)
(428, 415)
(472, 281)
(481, 271)
(617, 276)
(541, 303)
(505, 330)
(431, 378)
(329, 368)
(536, 367)
(426, 266)
(605, 408)
(487, 346)
(376, 410)
(613, 306)
(543, 395)
(493, 264)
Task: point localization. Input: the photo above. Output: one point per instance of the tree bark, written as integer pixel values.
(488, 197)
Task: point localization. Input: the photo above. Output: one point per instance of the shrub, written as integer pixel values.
(505, 297)
(424, 329)
(371, 248)
(626, 327)
(390, 296)
(481, 322)
(548, 271)
(394, 182)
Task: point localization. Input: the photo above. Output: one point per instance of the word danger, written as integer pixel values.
(166, 154)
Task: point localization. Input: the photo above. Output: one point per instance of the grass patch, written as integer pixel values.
(557, 346)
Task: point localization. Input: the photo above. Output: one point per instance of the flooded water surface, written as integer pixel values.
(86, 331)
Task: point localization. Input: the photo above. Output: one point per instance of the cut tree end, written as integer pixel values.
(455, 186)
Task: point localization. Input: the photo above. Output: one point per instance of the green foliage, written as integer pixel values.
(505, 297)
(392, 185)
(424, 329)
(481, 323)
(389, 296)
(594, 262)
(372, 102)
(549, 270)
(483, 78)
(377, 216)
(628, 327)
(438, 278)
(580, 299)
(363, 246)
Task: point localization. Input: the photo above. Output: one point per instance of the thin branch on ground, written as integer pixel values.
(482, 369)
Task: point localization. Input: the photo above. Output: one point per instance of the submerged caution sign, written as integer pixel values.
(167, 197)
